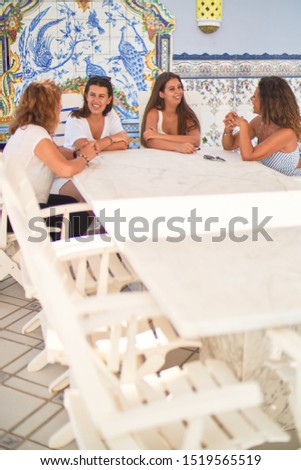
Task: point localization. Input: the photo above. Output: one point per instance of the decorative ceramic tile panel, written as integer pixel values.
(68, 41)
(228, 82)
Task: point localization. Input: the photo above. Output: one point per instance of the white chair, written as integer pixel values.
(82, 263)
(201, 405)
(70, 101)
(9, 249)
(119, 276)
(95, 268)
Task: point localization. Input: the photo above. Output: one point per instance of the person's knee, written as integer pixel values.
(68, 189)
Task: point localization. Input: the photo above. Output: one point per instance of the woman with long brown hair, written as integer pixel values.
(277, 128)
(95, 121)
(168, 122)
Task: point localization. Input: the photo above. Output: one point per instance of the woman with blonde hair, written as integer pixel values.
(277, 128)
(168, 122)
(35, 120)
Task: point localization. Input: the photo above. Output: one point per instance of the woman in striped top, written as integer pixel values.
(277, 128)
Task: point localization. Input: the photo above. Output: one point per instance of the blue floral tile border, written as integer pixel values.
(234, 66)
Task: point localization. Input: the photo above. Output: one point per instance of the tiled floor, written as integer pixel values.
(29, 413)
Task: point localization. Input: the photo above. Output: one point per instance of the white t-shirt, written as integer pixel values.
(21, 147)
(78, 128)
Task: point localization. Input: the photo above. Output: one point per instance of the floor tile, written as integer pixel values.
(13, 317)
(28, 387)
(5, 309)
(8, 281)
(21, 362)
(9, 441)
(15, 290)
(19, 338)
(44, 376)
(13, 300)
(43, 434)
(31, 424)
(9, 351)
(30, 445)
(16, 406)
(18, 325)
(3, 376)
(35, 305)
(59, 398)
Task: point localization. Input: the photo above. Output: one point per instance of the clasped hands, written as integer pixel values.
(232, 120)
(92, 148)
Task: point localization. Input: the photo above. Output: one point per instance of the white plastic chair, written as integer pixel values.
(94, 268)
(201, 405)
(9, 249)
(70, 101)
(71, 252)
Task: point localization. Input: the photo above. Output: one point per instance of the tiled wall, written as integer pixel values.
(228, 82)
(68, 41)
(131, 41)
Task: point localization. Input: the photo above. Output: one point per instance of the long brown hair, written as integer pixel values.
(184, 112)
(39, 104)
(97, 80)
(278, 104)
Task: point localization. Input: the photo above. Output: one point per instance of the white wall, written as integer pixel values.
(249, 26)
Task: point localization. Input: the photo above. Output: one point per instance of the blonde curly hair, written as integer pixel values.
(40, 105)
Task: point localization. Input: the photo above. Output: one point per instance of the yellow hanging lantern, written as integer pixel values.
(209, 14)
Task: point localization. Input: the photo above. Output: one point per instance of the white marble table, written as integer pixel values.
(151, 183)
(222, 291)
(210, 289)
(230, 280)
(137, 173)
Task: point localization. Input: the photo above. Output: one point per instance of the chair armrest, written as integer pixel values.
(188, 406)
(86, 245)
(115, 308)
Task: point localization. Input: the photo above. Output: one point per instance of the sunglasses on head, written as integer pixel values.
(103, 77)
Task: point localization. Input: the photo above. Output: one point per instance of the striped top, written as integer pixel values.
(284, 162)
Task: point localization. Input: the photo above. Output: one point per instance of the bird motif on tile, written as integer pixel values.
(36, 50)
(132, 58)
(93, 69)
(41, 47)
(93, 21)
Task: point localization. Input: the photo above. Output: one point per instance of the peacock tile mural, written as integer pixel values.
(72, 40)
